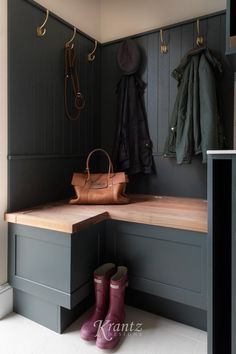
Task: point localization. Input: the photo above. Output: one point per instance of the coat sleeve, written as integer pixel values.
(179, 141)
(209, 113)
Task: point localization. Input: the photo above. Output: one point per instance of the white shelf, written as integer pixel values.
(221, 152)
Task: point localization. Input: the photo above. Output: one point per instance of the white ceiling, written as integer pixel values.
(120, 18)
(106, 20)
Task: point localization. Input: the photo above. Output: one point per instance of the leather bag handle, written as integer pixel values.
(110, 169)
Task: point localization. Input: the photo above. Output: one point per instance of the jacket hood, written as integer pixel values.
(197, 51)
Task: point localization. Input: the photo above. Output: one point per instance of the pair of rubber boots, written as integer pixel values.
(104, 324)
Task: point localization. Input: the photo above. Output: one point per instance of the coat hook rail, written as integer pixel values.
(200, 39)
(41, 30)
(67, 44)
(92, 56)
(164, 46)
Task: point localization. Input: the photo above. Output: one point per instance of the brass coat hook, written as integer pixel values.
(92, 56)
(164, 46)
(67, 44)
(41, 30)
(200, 39)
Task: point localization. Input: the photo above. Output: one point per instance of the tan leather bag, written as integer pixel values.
(100, 188)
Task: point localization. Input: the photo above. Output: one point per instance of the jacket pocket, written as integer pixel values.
(146, 152)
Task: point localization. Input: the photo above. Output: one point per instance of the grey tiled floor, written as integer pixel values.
(159, 335)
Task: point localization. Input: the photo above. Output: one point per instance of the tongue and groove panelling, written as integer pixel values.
(45, 147)
(160, 94)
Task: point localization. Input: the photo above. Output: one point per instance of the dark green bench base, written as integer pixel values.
(47, 314)
(52, 272)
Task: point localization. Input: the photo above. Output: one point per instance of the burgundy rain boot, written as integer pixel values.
(109, 333)
(102, 277)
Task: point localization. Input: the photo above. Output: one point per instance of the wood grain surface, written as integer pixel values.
(173, 212)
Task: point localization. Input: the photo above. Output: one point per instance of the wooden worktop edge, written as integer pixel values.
(166, 215)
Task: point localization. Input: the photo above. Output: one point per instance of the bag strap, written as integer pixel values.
(110, 169)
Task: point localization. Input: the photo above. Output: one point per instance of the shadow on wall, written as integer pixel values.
(174, 183)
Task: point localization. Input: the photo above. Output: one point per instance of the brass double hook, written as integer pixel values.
(69, 43)
(200, 39)
(164, 45)
(92, 56)
(41, 30)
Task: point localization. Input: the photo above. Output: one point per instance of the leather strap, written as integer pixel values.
(72, 74)
(110, 169)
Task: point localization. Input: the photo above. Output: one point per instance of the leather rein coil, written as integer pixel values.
(72, 75)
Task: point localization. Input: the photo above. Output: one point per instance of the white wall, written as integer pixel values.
(3, 140)
(120, 18)
(84, 14)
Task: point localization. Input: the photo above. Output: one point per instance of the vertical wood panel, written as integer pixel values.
(152, 103)
(23, 70)
(163, 96)
(96, 88)
(222, 36)
(143, 71)
(188, 39)
(59, 36)
(227, 86)
(175, 57)
(110, 75)
(213, 34)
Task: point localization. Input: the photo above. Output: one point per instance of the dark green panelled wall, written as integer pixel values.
(171, 179)
(45, 147)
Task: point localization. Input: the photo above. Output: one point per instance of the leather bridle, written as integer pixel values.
(72, 75)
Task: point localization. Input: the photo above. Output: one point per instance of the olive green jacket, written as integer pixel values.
(195, 123)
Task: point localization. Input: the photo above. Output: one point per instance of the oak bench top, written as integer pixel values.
(174, 212)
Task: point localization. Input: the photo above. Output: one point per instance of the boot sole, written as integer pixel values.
(89, 339)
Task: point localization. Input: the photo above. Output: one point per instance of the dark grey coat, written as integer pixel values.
(133, 146)
(195, 124)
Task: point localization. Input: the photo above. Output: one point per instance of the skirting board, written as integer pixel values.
(188, 315)
(6, 300)
(58, 318)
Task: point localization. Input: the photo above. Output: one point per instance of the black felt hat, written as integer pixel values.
(128, 57)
